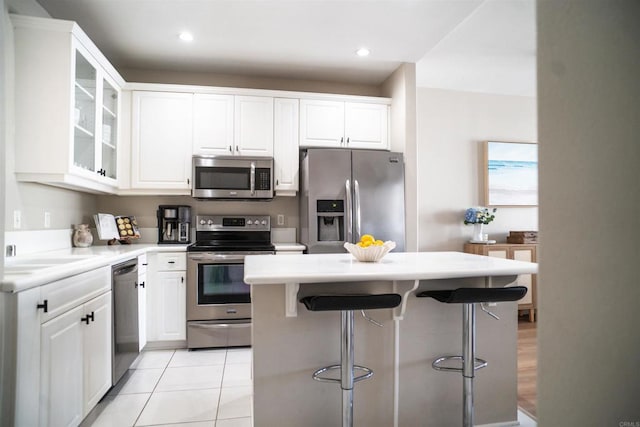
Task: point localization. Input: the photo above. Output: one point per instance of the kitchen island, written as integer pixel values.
(289, 342)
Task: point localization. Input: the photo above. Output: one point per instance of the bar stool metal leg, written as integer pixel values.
(347, 362)
(468, 361)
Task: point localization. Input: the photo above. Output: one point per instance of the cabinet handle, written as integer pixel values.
(277, 181)
(135, 284)
(181, 279)
(188, 183)
(141, 285)
(87, 318)
(348, 140)
(171, 262)
(144, 263)
(44, 306)
(230, 150)
(237, 149)
(341, 140)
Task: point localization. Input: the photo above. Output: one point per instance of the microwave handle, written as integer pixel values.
(253, 178)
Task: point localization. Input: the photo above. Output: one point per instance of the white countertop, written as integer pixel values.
(316, 268)
(283, 246)
(69, 262)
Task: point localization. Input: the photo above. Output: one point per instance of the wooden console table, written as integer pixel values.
(520, 252)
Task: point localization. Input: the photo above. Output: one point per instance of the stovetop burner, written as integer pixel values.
(226, 233)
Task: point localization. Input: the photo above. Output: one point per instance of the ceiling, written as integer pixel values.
(472, 45)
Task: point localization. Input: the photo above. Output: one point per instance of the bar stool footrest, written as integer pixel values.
(479, 363)
(368, 373)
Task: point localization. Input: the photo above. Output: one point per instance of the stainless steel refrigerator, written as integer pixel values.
(347, 193)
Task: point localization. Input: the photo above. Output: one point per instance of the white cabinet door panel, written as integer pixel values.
(253, 126)
(172, 296)
(366, 126)
(61, 369)
(321, 123)
(213, 124)
(161, 140)
(285, 145)
(97, 350)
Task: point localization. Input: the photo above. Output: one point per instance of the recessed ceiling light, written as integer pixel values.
(363, 51)
(186, 36)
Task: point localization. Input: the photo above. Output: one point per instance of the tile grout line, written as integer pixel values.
(154, 389)
(224, 369)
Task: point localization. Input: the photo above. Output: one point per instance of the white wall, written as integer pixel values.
(451, 127)
(401, 88)
(589, 293)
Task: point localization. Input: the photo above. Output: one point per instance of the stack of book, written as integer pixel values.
(522, 237)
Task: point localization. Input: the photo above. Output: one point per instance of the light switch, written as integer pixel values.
(280, 219)
(47, 220)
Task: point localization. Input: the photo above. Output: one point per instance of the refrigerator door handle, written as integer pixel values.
(347, 187)
(356, 188)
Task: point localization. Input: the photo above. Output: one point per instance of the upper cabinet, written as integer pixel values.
(161, 137)
(67, 107)
(285, 146)
(228, 125)
(337, 124)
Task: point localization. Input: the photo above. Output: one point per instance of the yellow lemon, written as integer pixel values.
(379, 243)
(360, 244)
(367, 243)
(367, 238)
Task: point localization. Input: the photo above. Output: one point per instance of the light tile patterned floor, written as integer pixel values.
(203, 388)
(211, 388)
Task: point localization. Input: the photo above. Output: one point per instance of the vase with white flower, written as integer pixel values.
(479, 216)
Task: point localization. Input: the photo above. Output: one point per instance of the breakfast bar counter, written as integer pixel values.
(290, 343)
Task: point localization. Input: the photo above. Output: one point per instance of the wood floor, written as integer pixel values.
(527, 365)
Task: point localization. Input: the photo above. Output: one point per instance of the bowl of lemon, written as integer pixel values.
(368, 249)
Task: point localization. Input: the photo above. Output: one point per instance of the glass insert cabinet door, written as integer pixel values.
(84, 146)
(95, 118)
(109, 129)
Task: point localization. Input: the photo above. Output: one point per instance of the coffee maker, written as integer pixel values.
(174, 224)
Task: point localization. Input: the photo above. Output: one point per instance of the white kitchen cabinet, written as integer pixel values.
(63, 333)
(285, 146)
(228, 125)
(75, 362)
(166, 299)
(213, 124)
(97, 339)
(142, 300)
(67, 108)
(338, 124)
(253, 126)
(161, 140)
(61, 371)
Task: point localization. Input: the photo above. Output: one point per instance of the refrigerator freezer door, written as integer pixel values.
(379, 200)
(325, 173)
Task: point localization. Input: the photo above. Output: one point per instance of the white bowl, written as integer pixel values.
(371, 253)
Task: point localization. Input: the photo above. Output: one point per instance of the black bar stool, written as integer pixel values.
(346, 304)
(469, 297)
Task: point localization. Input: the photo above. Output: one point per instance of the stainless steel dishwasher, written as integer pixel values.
(125, 317)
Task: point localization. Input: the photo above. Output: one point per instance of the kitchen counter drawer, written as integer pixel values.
(62, 295)
(172, 261)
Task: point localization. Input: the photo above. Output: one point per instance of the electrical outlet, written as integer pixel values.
(17, 219)
(47, 220)
(280, 219)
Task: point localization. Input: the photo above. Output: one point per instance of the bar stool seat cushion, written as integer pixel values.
(350, 302)
(476, 295)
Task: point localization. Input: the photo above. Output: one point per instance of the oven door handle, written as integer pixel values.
(216, 258)
(220, 325)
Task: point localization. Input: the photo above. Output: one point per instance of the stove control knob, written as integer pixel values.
(203, 222)
(249, 222)
(264, 222)
(210, 222)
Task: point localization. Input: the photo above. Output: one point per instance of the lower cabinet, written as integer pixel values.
(63, 350)
(166, 298)
(142, 301)
(75, 362)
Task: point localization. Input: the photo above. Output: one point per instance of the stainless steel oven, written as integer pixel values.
(218, 299)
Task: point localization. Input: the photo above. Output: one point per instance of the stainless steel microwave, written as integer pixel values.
(248, 178)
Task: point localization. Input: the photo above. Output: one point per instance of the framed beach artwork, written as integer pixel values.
(511, 173)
